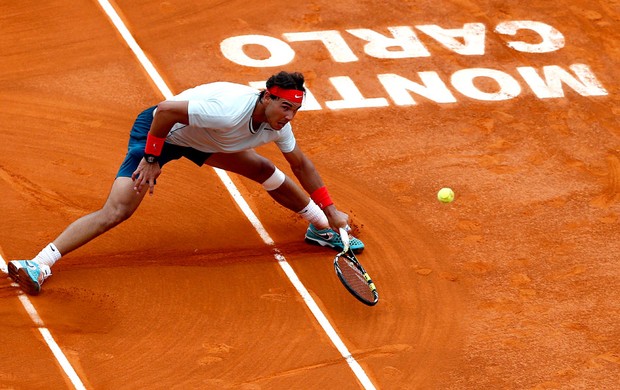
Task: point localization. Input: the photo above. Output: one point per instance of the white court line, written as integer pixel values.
(47, 336)
(234, 192)
(299, 286)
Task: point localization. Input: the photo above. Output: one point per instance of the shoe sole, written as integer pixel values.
(323, 243)
(21, 277)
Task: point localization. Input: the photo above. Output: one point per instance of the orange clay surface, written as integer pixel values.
(514, 285)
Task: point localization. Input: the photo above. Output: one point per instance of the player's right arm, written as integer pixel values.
(168, 114)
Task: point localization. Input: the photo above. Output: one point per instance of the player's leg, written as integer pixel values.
(120, 205)
(286, 192)
(122, 200)
(250, 164)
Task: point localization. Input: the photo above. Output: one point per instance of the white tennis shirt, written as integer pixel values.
(220, 121)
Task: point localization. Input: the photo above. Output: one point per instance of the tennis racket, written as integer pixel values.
(353, 275)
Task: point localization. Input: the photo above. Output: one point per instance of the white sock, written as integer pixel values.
(313, 214)
(48, 256)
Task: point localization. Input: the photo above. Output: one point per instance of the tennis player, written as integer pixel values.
(217, 124)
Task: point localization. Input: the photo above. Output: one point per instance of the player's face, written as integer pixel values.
(279, 112)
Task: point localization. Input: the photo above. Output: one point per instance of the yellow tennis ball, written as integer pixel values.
(445, 195)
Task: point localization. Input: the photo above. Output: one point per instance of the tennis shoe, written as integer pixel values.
(329, 238)
(29, 275)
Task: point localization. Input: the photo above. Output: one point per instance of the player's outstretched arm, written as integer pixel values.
(311, 181)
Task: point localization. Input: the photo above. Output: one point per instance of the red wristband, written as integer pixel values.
(321, 197)
(154, 145)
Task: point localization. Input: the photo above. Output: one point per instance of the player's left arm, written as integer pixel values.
(304, 170)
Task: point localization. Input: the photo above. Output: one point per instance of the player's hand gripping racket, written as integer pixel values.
(353, 275)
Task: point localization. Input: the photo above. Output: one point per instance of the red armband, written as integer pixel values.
(154, 145)
(321, 197)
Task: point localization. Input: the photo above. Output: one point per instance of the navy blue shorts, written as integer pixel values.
(169, 152)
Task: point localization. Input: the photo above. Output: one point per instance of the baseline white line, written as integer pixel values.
(245, 208)
(47, 336)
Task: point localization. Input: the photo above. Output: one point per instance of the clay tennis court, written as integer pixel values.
(514, 285)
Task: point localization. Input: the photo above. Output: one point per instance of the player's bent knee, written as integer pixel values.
(115, 215)
(275, 180)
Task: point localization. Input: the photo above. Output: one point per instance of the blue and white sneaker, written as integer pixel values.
(328, 237)
(29, 275)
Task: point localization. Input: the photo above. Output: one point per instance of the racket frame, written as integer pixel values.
(348, 254)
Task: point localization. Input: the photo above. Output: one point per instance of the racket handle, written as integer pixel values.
(344, 236)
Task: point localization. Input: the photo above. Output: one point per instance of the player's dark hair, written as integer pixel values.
(286, 80)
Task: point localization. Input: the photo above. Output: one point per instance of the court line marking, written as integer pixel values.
(47, 335)
(245, 208)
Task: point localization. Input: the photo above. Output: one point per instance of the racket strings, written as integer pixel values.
(355, 279)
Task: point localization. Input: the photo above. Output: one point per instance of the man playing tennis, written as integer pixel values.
(217, 124)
